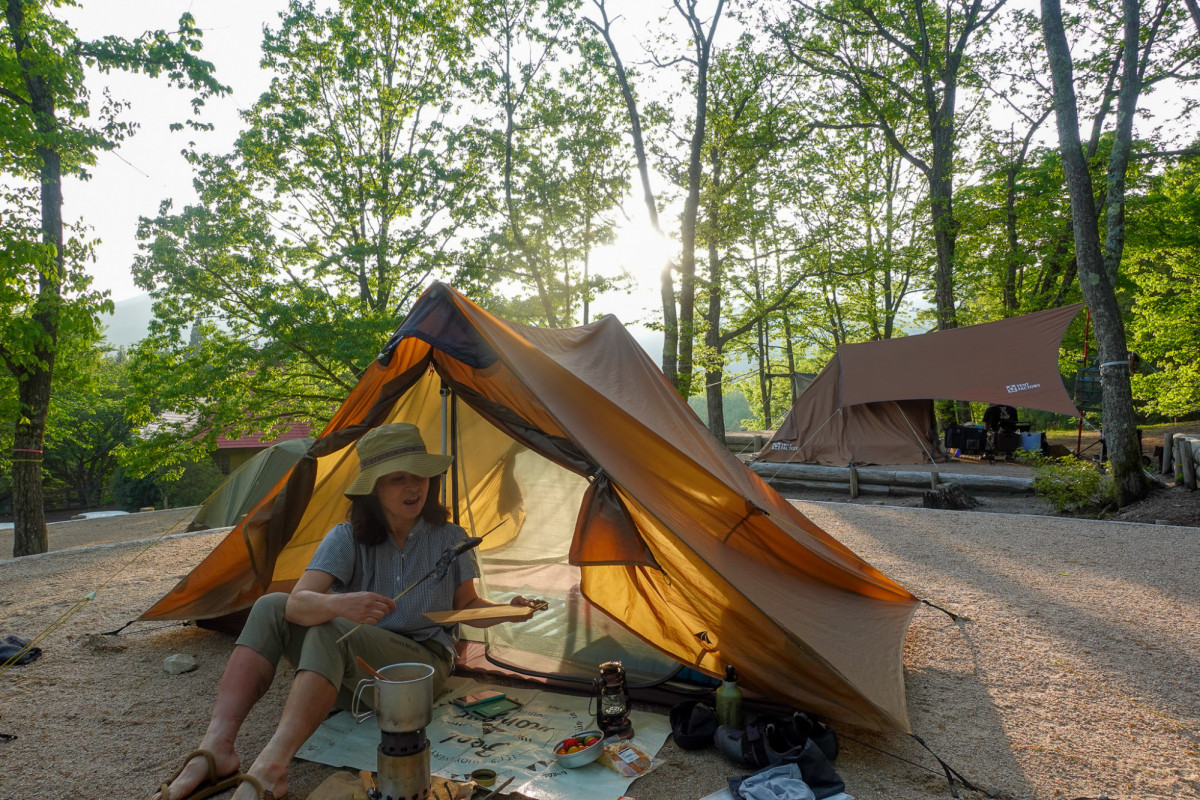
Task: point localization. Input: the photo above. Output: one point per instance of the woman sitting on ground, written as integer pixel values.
(397, 532)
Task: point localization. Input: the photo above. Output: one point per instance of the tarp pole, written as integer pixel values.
(1086, 322)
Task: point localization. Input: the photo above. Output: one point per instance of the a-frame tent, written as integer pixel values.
(873, 402)
(599, 489)
(248, 484)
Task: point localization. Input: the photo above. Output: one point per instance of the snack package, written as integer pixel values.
(625, 759)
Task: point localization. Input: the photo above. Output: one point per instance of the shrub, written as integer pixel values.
(191, 486)
(1070, 484)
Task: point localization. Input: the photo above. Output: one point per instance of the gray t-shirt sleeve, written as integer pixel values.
(336, 555)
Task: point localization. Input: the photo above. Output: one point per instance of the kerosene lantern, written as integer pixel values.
(613, 715)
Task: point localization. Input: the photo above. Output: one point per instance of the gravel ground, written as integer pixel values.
(1075, 676)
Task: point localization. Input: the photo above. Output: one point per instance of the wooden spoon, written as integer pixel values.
(367, 668)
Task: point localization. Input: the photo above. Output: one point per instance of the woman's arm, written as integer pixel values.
(311, 602)
(465, 596)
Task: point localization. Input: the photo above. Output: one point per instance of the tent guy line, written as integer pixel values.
(80, 603)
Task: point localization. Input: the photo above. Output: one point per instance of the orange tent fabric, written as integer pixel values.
(589, 475)
(872, 402)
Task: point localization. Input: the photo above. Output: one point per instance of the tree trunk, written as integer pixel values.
(941, 207)
(33, 382)
(702, 40)
(687, 235)
(714, 374)
(29, 517)
(1120, 431)
(670, 356)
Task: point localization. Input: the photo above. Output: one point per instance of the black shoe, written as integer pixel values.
(694, 724)
(802, 726)
(756, 747)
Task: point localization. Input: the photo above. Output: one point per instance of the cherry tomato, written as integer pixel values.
(570, 742)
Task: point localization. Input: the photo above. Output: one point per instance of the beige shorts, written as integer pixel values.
(316, 648)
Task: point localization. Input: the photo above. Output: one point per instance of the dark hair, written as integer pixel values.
(370, 525)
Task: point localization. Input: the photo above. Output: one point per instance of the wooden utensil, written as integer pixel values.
(367, 668)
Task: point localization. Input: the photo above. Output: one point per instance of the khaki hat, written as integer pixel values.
(393, 448)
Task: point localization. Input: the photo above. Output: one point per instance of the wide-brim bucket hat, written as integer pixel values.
(397, 447)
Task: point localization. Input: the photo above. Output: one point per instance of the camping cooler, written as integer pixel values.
(1035, 442)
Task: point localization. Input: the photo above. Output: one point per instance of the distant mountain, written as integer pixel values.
(129, 322)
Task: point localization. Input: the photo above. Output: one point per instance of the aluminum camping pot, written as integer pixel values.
(403, 697)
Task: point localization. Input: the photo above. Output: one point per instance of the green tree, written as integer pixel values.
(87, 423)
(49, 131)
(552, 142)
(1099, 260)
(313, 236)
(1163, 261)
(752, 121)
(891, 66)
(679, 317)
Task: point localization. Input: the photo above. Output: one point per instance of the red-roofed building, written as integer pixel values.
(232, 453)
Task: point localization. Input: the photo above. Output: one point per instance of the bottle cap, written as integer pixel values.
(730, 673)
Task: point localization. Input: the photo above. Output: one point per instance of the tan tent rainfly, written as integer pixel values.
(597, 486)
(872, 404)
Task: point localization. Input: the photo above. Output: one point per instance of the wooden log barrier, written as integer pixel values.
(875, 490)
(996, 484)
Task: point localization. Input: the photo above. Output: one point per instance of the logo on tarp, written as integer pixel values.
(783, 446)
(1013, 388)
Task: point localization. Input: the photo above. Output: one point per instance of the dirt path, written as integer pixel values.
(1074, 671)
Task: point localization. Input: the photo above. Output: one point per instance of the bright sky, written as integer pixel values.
(131, 182)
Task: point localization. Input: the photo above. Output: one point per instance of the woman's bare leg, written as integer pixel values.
(246, 679)
(308, 704)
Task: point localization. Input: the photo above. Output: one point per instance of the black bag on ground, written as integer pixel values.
(11, 645)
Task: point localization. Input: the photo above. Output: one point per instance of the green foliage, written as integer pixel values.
(49, 129)
(554, 156)
(735, 406)
(189, 484)
(86, 423)
(1163, 259)
(313, 236)
(1071, 484)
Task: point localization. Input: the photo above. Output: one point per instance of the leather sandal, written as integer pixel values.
(263, 792)
(207, 788)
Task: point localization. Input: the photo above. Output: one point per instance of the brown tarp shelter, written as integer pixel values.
(872, 404)
(600, 490)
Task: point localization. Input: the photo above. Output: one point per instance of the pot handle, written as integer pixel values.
(366, 715)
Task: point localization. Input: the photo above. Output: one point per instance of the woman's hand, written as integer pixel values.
(311, 602)
(465, 596)
(367, 608)
(521, 602)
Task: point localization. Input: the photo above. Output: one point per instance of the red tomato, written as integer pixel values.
(570, 742)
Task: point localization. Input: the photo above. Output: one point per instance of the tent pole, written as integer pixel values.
(454, 453)
(1086, 324)
(444, 391)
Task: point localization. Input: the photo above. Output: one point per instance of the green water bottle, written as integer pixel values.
(729, 700)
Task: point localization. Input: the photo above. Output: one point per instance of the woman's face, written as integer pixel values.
(402, 495)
